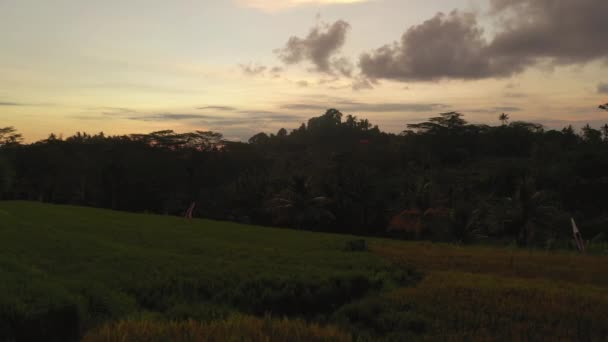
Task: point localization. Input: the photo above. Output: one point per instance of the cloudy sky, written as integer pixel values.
(245, 66)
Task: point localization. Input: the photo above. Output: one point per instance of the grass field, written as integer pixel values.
(69, 273)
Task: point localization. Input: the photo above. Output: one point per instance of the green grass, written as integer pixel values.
(70, 272)
(66, 269)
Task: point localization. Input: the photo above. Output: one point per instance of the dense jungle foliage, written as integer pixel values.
(443, 179)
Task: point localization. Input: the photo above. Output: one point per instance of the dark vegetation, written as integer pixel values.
(443, 179)
(65, 270)
(70, 273)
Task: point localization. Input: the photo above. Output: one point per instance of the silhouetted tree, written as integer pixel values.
(605, 132)
(445, 121)
(504, 119)
(591, 135)
(282, 133)
(260, 138)
(353, 178)
(9, 136)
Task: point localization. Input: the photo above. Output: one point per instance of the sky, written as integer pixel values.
(241, 67)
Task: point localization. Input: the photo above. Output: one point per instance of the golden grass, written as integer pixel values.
(461, 306)
(529, 264)
(485, 294)
(238, 328)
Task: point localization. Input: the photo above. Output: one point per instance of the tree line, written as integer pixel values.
(442, 179)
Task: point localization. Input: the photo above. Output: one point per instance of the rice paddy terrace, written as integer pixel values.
(72, 273)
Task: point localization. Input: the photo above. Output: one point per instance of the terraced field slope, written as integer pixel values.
(70, 273)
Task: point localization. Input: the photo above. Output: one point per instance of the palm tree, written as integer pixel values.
(504, 118)
(297, 207)
(538, 214)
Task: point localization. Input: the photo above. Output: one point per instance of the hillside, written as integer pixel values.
(72, 272)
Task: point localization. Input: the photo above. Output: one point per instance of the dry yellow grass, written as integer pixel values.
(464, 306)
(529, 264)
(485, 294)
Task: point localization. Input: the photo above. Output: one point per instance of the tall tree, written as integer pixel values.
(9, 136)
(504, 118)
(605, 132)
(445, 121)
(591, 135)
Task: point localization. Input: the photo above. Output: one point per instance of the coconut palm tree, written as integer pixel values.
(504, 118)
(297, 207)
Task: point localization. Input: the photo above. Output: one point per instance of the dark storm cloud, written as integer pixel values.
(528, 32)
(319, 47)
(353, 106)
(602, 88)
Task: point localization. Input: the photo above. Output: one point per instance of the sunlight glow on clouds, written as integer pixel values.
(278, 5)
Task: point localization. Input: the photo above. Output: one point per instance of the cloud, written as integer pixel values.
(252, 70)
(222, 108)
(278, 5)
(602, 88)
(112, 111)
(529, 33)
(566, 32)
(269, 116)
(343, 66)
(275, 72)
(318, 48)
(362, 83)
(505, 109)
(302, 84)
(446, 46)
(141, 87)
(353, 106)
(243, 117)
(515, 95)
(169, 117)
(10, 104)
